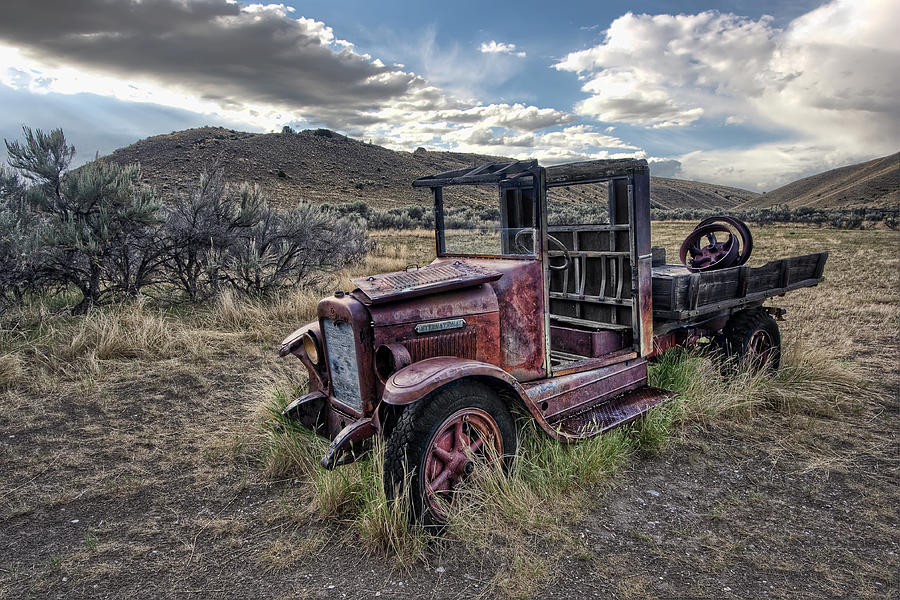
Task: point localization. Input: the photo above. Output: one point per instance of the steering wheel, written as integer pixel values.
(517, 240)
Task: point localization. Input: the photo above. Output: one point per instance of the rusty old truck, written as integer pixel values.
(518, 312)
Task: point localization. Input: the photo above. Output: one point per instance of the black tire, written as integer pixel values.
(742, 335)
(408, 444)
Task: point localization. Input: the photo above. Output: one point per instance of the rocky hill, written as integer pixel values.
(872, 184)
(323, 166)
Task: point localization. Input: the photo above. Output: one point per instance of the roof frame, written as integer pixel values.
(489, 173)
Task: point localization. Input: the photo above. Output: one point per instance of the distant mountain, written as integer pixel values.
(872, 184)
(323, 166)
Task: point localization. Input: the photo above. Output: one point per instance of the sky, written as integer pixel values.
(749, 94)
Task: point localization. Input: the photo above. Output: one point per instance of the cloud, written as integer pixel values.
(576, 142)
(97, 124)
(218, 51)
(821, 83)
(261, 65)
(665, 167)
(763, 167)
(649, 69)
(493, 47)
(515, 116)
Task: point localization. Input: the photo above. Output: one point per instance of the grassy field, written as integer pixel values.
(139, 459)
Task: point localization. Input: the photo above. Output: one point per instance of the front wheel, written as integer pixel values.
(437, 443)
(752, 337)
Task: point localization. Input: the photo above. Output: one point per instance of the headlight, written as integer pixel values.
(311, 347)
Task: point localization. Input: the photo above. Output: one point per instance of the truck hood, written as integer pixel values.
(437, 277)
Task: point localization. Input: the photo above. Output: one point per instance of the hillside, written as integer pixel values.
(321, 166)
(872, 184)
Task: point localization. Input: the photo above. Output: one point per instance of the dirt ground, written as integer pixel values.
(141, 478)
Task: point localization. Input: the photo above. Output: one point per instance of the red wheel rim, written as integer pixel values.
(465, 437)
(759, 348)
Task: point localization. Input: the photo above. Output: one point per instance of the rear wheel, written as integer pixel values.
(437, 443)
(752, 337)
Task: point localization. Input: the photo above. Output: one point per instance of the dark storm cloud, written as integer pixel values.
(216, 49)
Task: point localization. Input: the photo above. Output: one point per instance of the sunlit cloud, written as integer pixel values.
(493, 47)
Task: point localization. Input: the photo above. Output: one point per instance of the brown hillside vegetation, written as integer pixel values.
(323, 166)
(872, 184)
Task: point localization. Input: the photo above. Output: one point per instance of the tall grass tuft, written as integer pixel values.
(257, 315)
(12, 370)
(353, 493)
(809, 381)
(126, 331)
(385, 526)
(288, 449)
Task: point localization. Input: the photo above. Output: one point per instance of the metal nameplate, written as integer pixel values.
(440, 326)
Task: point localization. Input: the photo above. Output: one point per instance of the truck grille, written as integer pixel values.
(460, 344)
(342, 362)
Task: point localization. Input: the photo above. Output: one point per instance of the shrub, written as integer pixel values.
(88, 222)
(286, 249)
(216, 236)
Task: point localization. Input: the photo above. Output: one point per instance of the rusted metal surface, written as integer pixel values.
(461, 323)
(468, 435)
(614, 413)
(292, 344)
(675, 338)
(559, 397)
(760, 347)
(521, 307)
(350, 443)
(421, 378)
(432, 279)
(311, 411)
(590, 344)
(347, 313)
(446, 306)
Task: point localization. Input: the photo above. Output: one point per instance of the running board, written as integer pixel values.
(613, 413)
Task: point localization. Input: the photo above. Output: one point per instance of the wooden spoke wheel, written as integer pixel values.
(438, 442)
(468, 435)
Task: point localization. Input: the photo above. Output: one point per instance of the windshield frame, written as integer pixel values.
(502, 188)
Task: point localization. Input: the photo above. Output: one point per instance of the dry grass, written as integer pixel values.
(12, 370)
(127, 331)
(168, 419)
(352, 494)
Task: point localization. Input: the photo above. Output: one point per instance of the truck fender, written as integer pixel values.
(419, 379)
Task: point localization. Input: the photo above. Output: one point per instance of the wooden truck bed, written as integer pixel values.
(679, 295)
